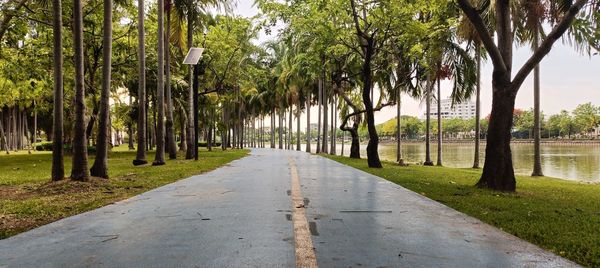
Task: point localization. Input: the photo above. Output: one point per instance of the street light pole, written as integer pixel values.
(196, 109)
(192, 58)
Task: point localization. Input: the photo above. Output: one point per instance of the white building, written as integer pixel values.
(465, 110)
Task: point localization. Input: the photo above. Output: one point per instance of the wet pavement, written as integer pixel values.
(241, 216)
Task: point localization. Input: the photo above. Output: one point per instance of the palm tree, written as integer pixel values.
(467, 32)
(100, 166)
(140, 158)
(58, 167)
(130, 125)
(298, 112)
(319, 104)
(192, 11)
(453, 61)
(191, 15)
(399, 157)
(281, 120)
(498, 172)
(428, 89)
(79, 170)
(290, 126)
(534, 15)
(325, 104)
(308, 105)
(333, 128)
(439, 122)
(159, 158)
(405, 68)
(477, 105)
(403, 83)
(537, 157)
(171, 144)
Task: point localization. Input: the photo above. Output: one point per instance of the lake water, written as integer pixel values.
(570, 162)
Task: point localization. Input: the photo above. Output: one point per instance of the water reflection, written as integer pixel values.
(571, 162)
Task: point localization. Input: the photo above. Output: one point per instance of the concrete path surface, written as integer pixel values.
(274, 208)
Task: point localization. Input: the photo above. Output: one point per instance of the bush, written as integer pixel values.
(204, 144)
(47, 146)
(68, 147)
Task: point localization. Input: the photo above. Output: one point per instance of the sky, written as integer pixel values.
(567, 79)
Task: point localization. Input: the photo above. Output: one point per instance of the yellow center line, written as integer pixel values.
(305, 252)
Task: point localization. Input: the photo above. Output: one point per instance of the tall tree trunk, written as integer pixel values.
(182, 124)
(23, 132)
(281, 113)
(159, 158)
(9, 128)
(242, 132)
(335, 124)
(439, 123)
(79, 170)
(332, 136)
(372, 147)
(429, 86)
(191, 109)
(325, 104)
(100, 166)
(308, 123)
(343, 141)
(229, 130)
(319, 106)
(209, 141)
(233, 130)
(26, 141)
(253, 133)
(130, 126)
(214, 139)
(19, 128)
(3, 134)
(298, 112)
(34, 140)
(223, 131)
(89, 130)
(291, 129)
(355, 143)
(399, 157)
(477, 108)
(273, 128)
(152, 141)
(170, 126)
(537, 156)
(140, 158)
(498, 172)
(15, 129)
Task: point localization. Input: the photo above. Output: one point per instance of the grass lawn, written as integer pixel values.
(28, 199)
(558, 215)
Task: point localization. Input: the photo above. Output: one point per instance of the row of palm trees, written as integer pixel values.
(322, 44)
(317, 60)
(80, 169)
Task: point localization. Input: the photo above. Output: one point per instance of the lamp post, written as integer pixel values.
(192, 58)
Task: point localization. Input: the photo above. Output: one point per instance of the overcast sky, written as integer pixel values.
(567, 79)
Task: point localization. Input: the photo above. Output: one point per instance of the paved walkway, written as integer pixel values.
(274, 209)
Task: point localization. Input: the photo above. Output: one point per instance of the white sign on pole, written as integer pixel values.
(193, 56)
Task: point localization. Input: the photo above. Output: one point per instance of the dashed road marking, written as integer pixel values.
(305, 252)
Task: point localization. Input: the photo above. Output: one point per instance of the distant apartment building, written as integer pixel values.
(465, 110)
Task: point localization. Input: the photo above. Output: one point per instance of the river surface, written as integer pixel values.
(570, 162)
